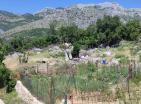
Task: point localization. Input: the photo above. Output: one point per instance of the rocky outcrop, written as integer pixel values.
(82, 15)
(1, 102)
(10, 20)
(25, 95)
(86, 14)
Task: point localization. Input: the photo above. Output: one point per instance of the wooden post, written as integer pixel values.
(71, 98)
(129, 77)
(135, 71)
(47, 68)
(52, 91)
(37, 69)
(130, 69)
(66, 99)
(96, 64)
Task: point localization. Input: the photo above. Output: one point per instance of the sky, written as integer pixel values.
(32, 6)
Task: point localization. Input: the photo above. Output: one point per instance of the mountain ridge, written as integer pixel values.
(80, 14)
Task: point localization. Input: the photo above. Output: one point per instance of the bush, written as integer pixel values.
(107, 31)
(4, 75)
(10, 85)
(6, 79)
(76, 50)
(139, 58)
(123, 58)
(137, 78)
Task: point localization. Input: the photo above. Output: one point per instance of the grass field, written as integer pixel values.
(87, 78)
(109, 81)
(10, 98)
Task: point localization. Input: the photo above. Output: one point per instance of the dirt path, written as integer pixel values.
(25, 94)
(11, 61)
(1, 102)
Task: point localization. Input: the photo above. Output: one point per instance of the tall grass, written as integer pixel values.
(87, 78)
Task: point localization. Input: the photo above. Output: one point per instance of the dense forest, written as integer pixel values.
(107, 32)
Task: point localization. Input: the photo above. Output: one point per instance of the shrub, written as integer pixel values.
(76, 50)
(139, 58)
(4, 75)
(10, 85)
(6, 79)
(137, 78)
(123, 58)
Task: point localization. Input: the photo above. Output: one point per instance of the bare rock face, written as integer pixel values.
(1, 102)
(25, 94)
(85, 14)
(55, 51)
(81, 14)
(2, 18)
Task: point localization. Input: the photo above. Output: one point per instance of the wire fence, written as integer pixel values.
(87, 84)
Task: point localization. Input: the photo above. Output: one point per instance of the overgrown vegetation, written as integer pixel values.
(6, 77)
(85, 78)
(11, 98)
(76, 49)
(16, 20)
(107, 31)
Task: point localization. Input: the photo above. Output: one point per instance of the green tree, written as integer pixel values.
(4, 76)
(107, 30)
(1, 56)
(69, 34)
(6, 79)
(52, 27)
(133, 30)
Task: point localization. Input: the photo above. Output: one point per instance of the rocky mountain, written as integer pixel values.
(10, 20)
(4, 15)
(81, 14)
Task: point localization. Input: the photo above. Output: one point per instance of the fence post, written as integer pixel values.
(47, 67)
(65, 99)
(52, 91)
(130, 72)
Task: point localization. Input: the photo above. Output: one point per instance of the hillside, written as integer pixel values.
(83, 54)
(10, 20)
(81, 14)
